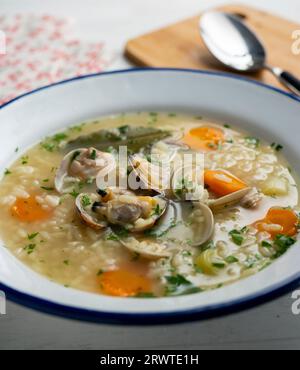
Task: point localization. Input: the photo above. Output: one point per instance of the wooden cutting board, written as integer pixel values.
(180, 45)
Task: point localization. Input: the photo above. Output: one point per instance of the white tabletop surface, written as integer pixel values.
(272, 326)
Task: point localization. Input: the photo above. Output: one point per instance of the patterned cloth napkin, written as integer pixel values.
(39, 51)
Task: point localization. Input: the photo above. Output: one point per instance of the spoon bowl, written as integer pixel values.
(236, 46)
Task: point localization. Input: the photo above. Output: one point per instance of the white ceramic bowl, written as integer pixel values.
(264, 111)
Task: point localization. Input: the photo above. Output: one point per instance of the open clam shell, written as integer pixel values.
(185, 222)
(81, 165)
(84, 204)
(120, 208)
(147, 249)
(228, 200)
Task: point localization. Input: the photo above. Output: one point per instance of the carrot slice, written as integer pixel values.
(279, 221)
(204, 138)
(222, 183)
(29, 210)
(123, 283)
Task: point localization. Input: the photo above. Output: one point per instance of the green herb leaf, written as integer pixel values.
(283, 243)
(266, 244)
(74, 193)
(85, 201)
(277, 147)
(231, 259)
(177, 280)
(47, 188)
(7, 172)
(32, 236)
(113, 237)
(30, 248)
(237, 237)
(123, 129)
(94, 154)
(218, 265)
(157, 211)
(24, 159)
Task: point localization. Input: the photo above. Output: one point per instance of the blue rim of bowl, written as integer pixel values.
(171, 317)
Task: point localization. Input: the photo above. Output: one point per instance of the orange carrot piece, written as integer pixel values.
(285, 218)
(222, 183)
(204, 138)
(123, 283)
(29, 210)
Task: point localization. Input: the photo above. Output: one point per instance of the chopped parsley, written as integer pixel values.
(85, 201)
(25, 159)
(179, 285)
(74, 193)
(7, 172)
(77, 128)
(175, 282)
(266, 244)
(113, 237)
(53, 143)
(94, 154)
(32, 236)
(231, 259)
(157, 211)
(66, 262)
(219, 265)
(121, 232)
(277, 147)
(100, 272)
(123, 129)
(237, 237)
(283, 243)
(30, 248)
(117, 234)
(227, 126)
(48, 146)
(47, 188)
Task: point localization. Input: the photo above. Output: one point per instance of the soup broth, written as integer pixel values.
(154, 241)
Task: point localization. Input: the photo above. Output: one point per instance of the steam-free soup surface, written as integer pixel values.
(245, 217)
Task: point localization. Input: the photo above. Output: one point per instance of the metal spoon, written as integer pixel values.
(236, 46)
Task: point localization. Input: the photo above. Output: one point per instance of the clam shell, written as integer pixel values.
(88, 218)
(63, 171)
(228, 200)
(147, 249)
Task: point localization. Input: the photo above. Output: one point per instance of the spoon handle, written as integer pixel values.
(292, 82)
(287, 79)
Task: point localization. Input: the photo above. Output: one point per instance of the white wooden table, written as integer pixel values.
(272, 326)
